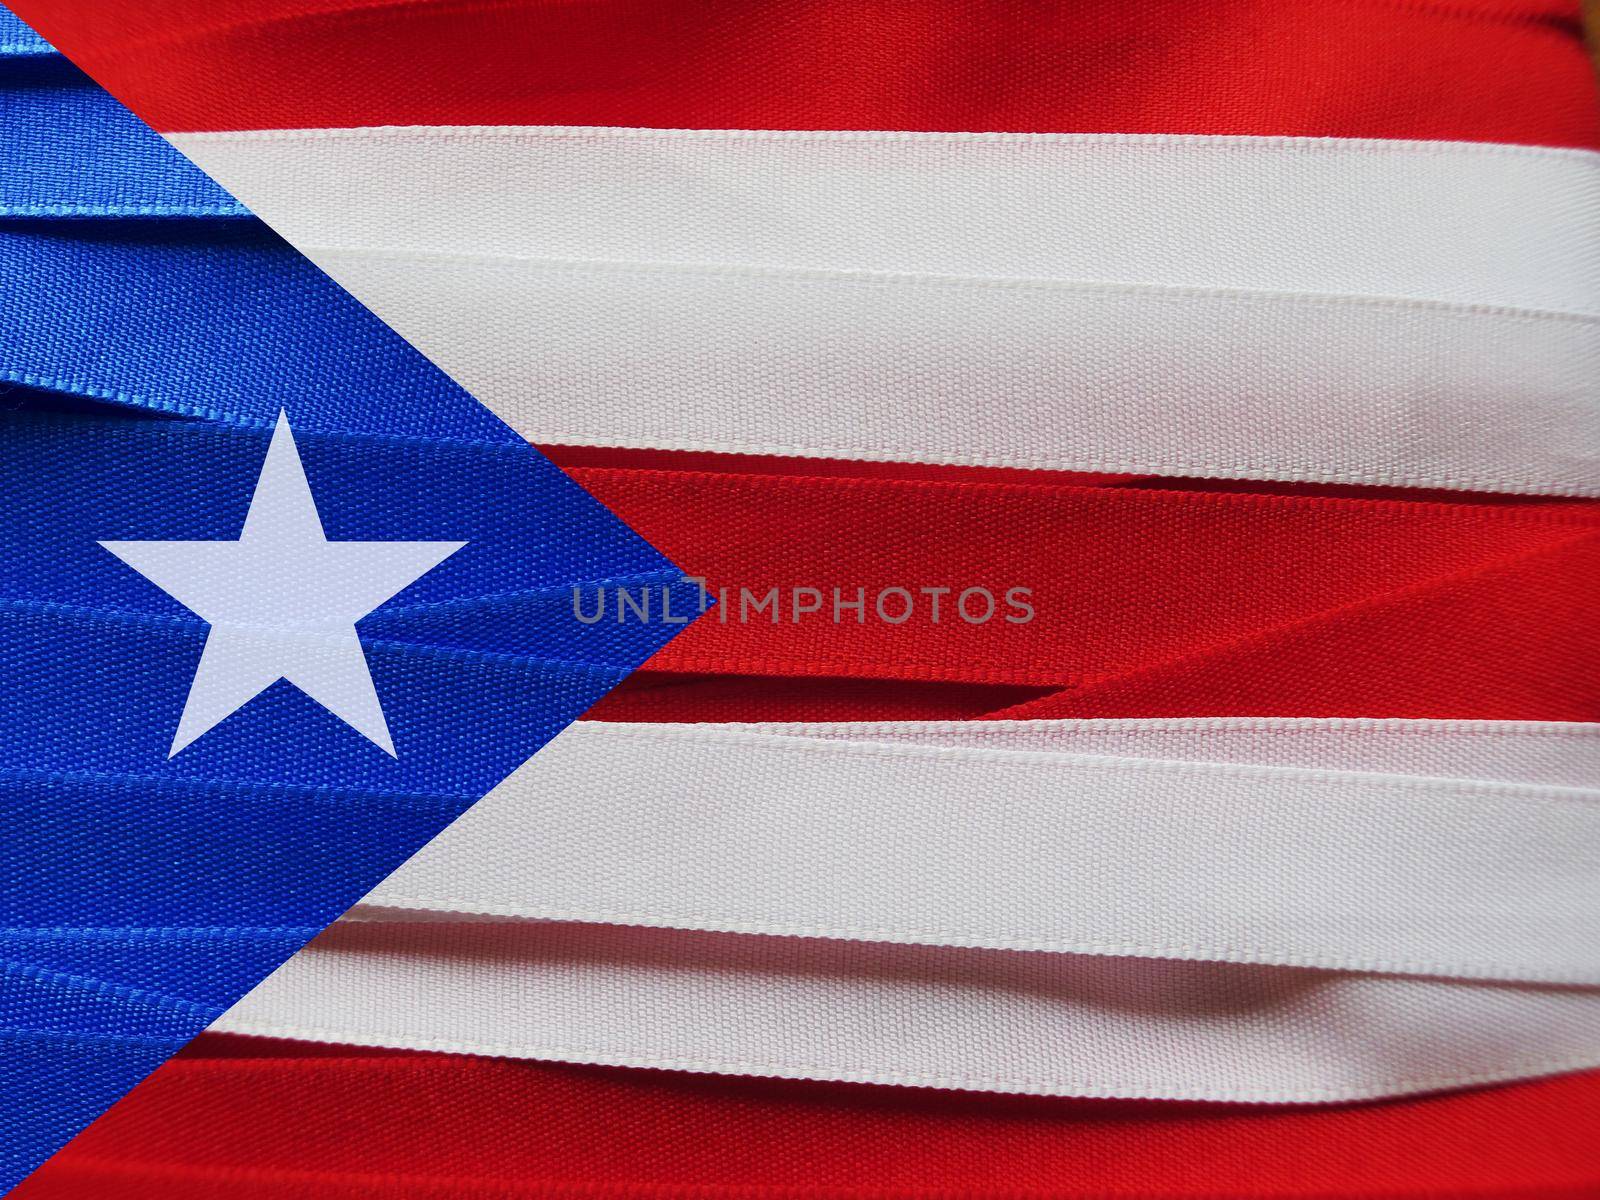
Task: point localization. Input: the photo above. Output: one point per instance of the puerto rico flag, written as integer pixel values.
(1117, 580)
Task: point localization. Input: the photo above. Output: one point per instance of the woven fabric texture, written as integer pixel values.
(151, 334)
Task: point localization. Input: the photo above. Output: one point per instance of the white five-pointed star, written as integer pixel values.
(282, 601)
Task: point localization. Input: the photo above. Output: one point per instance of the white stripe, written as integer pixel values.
(953, 844)
(1389, 312)
(975, 1019)
(1006, 373)
(1559, 753)
(1455, 221)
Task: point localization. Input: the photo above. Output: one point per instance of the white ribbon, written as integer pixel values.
(984, 1020)
(1034, 838)
(1406, 313)
(1001, 906)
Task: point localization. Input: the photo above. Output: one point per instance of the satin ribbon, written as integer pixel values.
(144, 363)
(19, 41)
(1006, 892)
(1500, 37)
(1166, 305)
(1149, 600)
(182, 318)
(290, 1121)
(1367, 865)
(61, 132)
(1038, 373)
(975, 1020)
(1450, 223)
(1412, 70)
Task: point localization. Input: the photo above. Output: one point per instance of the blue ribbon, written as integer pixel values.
(73, 151)
(18, 41)
(151, 333)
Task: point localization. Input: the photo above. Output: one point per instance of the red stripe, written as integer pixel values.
(1147, 601)
(307, 1122)
(1489, 70)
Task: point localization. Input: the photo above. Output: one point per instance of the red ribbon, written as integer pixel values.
(1471, 70)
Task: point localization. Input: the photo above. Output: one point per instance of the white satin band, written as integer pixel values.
(1406, 313)
(884, 835)
(982, 1020)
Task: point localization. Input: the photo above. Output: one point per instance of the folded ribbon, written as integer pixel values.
(1242, 910)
